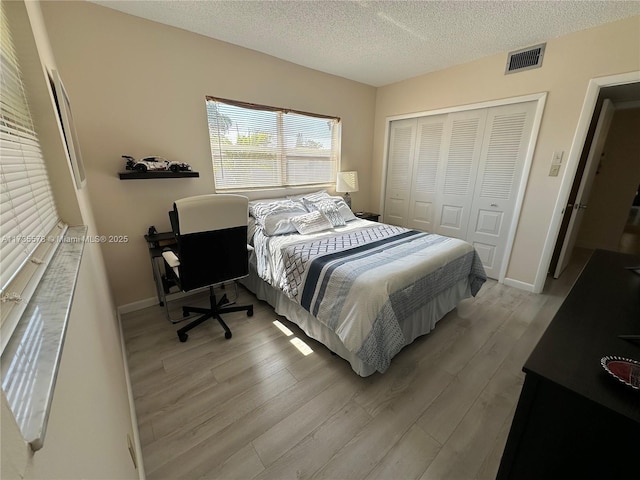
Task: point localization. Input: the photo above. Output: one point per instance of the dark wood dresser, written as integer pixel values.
(573, 420)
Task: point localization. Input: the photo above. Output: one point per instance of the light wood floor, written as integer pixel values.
(255, 407)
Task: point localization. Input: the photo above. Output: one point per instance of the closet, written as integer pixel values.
(458, 174)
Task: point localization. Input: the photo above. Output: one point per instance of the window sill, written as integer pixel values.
(30, 361)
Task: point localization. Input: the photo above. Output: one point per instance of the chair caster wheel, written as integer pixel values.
(227, 335)
(183, 337)
(250, 312)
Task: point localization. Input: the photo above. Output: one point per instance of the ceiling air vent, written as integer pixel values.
(525, 59)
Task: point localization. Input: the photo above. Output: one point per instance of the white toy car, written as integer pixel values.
(154, 163)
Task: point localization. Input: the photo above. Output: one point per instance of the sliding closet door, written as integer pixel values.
(458, 174)
(423, 201)
(463, 142)
(402, 139)
(504, 149)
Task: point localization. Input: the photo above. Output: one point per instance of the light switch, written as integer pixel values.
(555, 169)
(557, 158)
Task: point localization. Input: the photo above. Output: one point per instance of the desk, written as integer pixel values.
(573, 420)
(156, 243)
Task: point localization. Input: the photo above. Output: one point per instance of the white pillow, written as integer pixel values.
(311, 222)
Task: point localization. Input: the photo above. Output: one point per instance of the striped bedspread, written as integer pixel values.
(362, 284)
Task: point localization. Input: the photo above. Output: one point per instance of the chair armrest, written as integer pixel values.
(171, 258)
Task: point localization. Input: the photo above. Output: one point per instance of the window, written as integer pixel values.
(255, 146)
(28, 215)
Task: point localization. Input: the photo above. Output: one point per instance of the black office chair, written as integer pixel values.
(211, 241)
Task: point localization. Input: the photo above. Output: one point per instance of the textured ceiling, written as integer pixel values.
(380, 42)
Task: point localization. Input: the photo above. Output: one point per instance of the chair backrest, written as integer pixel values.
(211, 232)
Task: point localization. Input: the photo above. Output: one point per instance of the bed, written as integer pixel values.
(364, 289)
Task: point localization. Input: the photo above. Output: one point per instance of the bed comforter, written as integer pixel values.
(362, 282)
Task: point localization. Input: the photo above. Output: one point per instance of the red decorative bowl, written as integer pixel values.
(625, 370)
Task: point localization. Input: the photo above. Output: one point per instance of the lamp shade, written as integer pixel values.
(347, 182)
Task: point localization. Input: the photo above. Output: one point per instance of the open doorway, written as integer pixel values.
(607, 208)
(630, 240)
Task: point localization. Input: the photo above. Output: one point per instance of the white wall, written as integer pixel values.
(90, 414)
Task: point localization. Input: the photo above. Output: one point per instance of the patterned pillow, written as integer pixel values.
(313, 196)
(329, 208)
(344, 209)
(311, 222)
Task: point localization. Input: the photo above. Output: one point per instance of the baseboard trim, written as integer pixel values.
(132, 406)
(151, 301)
(139, 305)
(510, 282)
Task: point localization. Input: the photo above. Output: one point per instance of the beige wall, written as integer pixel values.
(138, 88)
(569, 63)
(90, 414)
(615, 185)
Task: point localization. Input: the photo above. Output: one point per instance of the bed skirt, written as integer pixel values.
(420, 323)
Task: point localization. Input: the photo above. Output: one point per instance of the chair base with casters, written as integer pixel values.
(214, 311)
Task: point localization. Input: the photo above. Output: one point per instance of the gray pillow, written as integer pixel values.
(313, 196)
(344, 209)
(274, 216)
(280, 223)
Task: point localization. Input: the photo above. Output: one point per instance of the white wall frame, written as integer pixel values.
(541, 99)
(68, 129)
(588, 107)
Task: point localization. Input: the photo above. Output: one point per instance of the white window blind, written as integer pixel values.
(28, 215)
(256, 146)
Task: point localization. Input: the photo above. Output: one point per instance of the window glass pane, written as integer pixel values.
(309, 143)
(252, 147)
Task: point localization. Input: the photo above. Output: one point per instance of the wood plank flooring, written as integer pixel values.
(255, 407)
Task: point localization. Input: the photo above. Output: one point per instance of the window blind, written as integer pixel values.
(28, 216)
(257, 146)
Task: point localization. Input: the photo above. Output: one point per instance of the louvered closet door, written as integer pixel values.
(463, 143)
(402, 137)
(426, 166)
(501, 163)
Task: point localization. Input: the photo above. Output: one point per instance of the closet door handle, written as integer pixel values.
(494, 205)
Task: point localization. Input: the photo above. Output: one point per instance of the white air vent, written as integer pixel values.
(525, 59)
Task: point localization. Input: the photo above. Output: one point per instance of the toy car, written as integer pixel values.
(154, 163)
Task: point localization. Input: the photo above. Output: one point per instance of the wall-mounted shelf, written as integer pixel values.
(163, 174)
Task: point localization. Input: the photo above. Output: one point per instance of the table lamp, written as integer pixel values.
(347, 182)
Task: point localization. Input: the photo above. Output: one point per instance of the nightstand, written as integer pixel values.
(367, 216)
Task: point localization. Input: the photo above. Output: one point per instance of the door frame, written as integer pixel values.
(573, 159)
(588, 176)
(541, 99)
